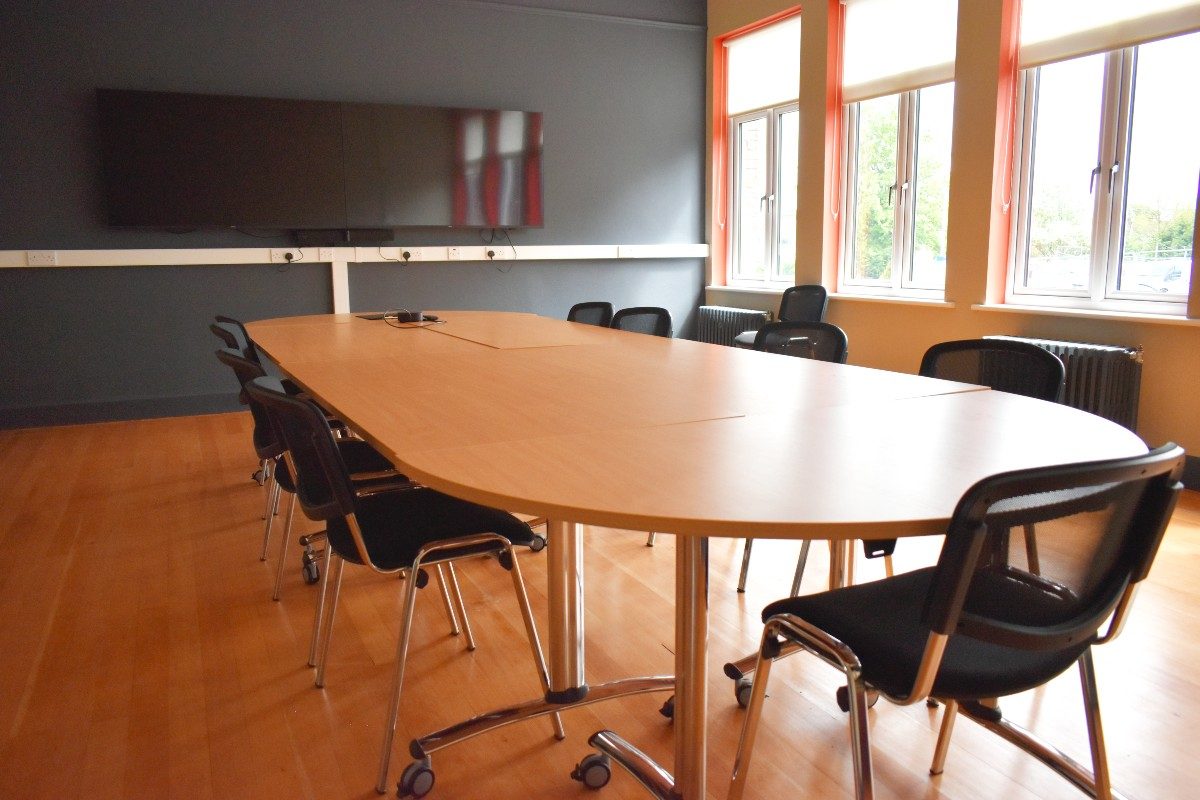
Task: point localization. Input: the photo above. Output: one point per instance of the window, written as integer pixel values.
(898, 182)
(898, 119)
(1106, 169)
(763, 84)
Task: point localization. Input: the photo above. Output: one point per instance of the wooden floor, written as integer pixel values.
(141, 655)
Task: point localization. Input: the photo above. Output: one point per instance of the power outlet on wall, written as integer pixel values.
(285, 255)
(41, 258)
(325, 254)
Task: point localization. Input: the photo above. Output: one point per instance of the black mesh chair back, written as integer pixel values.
(644, 319)
(595, 312)
(804, 303)
(321, 478)
(227, 336)
(822, 341)
(1100, 525)
(246, 344)
(1006, 366)
(267, 443)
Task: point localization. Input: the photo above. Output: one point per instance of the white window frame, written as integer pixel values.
(903, 205)
(1109, 199)
(772, 229)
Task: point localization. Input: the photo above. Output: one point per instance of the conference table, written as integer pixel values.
(586, 425)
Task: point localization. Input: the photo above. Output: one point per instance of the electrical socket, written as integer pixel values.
(41, 258)
(280, 255)
(500, 253)
(414, 254)
(325, 254)
(455, 254)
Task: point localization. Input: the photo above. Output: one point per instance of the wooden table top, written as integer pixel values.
(631, 431)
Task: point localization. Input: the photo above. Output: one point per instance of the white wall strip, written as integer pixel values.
(39, 259)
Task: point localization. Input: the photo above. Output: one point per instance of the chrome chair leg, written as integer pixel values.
(535, 642)
(942, 748)
(393, 711)
(319, 615)
(283, 548)
(801, 563)
(459, 605)
(860, 744)
(1091, 709)
(650, 539)
(745, 564)
(269, 515)
(337, 565)
(741, 760)
(446, 603)
(265, 480)
(802, 635)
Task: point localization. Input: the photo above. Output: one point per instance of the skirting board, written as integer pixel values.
(117, 410)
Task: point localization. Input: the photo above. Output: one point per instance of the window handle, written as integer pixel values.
(1092, 179)
(765, 199)
(1112, 174)
(891, 194)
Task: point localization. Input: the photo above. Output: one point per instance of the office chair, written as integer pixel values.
(822, 341)
(398, 529)
(643, 319)
(977, 627)
(366, 463)
(595, 312)
(803, 303)
(1004, 366)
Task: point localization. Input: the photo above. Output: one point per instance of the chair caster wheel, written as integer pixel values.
(310, 569)
(668, 708)
(843, 698)
(593, 771)
(259, 477)
(538, 544)
(742, 688)
(416, 780)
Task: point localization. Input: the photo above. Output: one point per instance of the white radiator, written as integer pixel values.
(719, 324)
(1103, 379)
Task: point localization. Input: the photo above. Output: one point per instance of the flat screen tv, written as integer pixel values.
(179, 161)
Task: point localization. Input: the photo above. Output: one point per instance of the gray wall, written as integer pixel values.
(623, 99)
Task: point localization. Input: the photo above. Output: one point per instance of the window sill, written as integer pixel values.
(763, 289)
(877, 298)
(1084, 313)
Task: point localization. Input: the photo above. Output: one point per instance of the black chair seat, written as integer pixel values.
(881, 623)
(395, 525)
